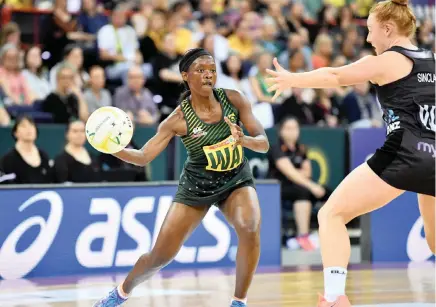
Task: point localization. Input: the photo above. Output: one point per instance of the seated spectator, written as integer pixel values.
(67, 102)
(167, 78)
(184, 38)
(361, 109)
(34, 74)
(72, 57)
(232, 77)
(220, 48)
(61, 28)
(10, 34)
(269, 41)
(75, 164)
(258, 81)
(118, 44)
(326, 108)
(96, 96)
(12, 81)
(152, 41)
(323, 50)
(25, 163)
(241, 41)
(276, 13)
(136, 100)
(90, 20)
(290, 165)
(297, 105)
(140, 19)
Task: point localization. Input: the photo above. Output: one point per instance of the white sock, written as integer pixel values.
(334, 283)
(122, 293)
(239, 299)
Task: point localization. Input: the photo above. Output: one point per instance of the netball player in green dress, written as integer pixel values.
(215, 173)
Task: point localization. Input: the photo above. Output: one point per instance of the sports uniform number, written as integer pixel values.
(222, 157)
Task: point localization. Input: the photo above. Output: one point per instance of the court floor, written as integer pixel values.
(411, 285)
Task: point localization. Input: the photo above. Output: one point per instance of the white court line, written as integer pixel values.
(74, 295)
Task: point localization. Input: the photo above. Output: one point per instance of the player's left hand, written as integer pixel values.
(279, 79)
(236, 131)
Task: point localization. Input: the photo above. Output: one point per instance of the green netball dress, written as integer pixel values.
(213, 169)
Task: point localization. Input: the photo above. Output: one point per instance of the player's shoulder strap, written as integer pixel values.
(419, 54)
(188, 113)
(224, 99)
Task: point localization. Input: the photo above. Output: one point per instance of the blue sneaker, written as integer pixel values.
(112, 300)
(238, 304)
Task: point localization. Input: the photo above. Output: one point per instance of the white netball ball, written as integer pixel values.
(109, 130)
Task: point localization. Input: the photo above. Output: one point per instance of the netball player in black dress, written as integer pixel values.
(404, 77)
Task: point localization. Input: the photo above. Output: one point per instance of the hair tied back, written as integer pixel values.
(401, 2)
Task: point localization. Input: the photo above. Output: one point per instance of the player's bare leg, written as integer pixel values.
(242, 210)
(362, 191)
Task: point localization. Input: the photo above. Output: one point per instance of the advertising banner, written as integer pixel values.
(396, 230)
(83, 230)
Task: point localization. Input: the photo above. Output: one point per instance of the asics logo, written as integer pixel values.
(25, 261)
(417, 247)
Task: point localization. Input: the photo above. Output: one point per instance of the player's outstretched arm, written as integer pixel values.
(165, 132)
(369, 68)
(257, 141)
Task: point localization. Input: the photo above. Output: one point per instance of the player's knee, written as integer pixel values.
(248, 226)
(328, 212)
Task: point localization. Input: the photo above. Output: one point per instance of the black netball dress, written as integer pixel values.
(407, 159)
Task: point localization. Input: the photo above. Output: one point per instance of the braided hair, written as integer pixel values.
(188, 58)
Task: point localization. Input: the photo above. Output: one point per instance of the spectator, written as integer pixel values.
(10, 34)
(151, 43)
(258, 82)
(323, 51)
(220, 48)
(90, 20)
(75, 164)
(183, 10)
(290, 165)
(136, 100)
(118, 44)
(140, 19)
(326, 108)
(275, 11)
(72, 57)
(241, 42)
(61, 29)
(34, 73)
(97, 96)
(233, 77)
(269, 40)
(298, 106)
(361, 109)
(167, 78)
(183, 36)
(426, 36)
(26, 163)
(12, 81)
(67, 102)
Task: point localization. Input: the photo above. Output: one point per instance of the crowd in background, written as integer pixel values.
(128, 57)
(126, 54)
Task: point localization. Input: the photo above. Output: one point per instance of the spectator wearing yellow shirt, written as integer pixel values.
(184, 37)
(241, 41)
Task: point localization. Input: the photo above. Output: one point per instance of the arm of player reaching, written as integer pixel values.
(257, 141)
(369, 68)
(154, 146)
